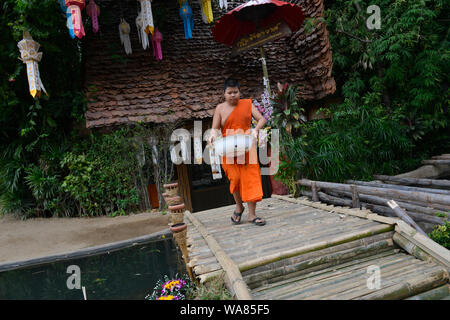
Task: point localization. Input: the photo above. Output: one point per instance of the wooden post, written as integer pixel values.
(184, 185)
(265, 72)
(404, 216)
(355, 197)
(315, 196)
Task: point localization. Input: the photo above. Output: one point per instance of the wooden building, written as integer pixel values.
(187, 84)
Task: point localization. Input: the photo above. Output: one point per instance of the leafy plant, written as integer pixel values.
(287, 109)
(441, 234)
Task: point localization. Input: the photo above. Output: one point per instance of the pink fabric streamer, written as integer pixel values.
(156, 44)
(93, 10)
(78, 29)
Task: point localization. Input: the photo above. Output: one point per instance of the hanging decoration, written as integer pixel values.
(75, 7)
(203, 14)
(207, 10)
(124, 30)
(93, 11)
(68, 13)
(223, 4)
(147, 16)
(30, 56)
(156, 43)
(186, 15)
(142, 35)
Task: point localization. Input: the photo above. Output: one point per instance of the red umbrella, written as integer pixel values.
(255, 15)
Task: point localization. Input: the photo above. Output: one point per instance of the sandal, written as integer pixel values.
(237, 215)
(258, 221)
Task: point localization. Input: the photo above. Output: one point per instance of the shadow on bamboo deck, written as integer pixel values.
(310, 250)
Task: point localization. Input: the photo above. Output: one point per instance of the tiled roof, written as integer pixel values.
(187, 83)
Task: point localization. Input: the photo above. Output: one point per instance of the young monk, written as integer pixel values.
(235, 114)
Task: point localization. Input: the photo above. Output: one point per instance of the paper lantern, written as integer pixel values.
(186, 15)
(124, 31)
(30, 56)
(147, 16)
(156, 42)
(207, 10)
(93, 11)
(142, 35)
(75, 7)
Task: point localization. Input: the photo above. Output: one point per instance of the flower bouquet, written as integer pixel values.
(266, 109)
(172, 289)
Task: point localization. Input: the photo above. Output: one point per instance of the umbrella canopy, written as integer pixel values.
(255, 14)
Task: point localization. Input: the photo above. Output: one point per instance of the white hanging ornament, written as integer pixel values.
(147, 16)
(223, 4)
(142, 35)
(30, 56)
(124, 31)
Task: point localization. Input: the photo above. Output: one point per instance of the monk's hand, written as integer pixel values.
(254, 134)
(212, 138)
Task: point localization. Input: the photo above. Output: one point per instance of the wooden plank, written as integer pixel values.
(434, 294)
(315, 246)
(334, 273)
(312, 274)
(233, 276)
(428, 280)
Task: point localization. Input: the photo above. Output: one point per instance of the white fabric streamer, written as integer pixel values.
(124, 30)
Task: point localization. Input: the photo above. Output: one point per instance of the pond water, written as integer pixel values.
(127, 274)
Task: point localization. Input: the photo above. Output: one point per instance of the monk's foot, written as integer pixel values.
(237, 214)
(257, 220)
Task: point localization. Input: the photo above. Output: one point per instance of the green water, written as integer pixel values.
(125, 274)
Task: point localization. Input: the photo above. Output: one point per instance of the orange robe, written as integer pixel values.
(244, 177)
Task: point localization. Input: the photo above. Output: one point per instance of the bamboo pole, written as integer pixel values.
(382, 201)
(395, 186)
(415, 181)
(438, 252)
(233, 276)
(436, 162)
(421, 196)
(404, 216)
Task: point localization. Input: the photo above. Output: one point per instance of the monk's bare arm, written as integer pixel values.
(258, 117)
(216, 124)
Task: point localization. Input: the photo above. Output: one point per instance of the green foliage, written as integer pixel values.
(32, 129)
(441, 234)
(393, 83)
(101, 174)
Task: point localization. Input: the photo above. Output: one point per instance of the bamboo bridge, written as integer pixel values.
(311, 250)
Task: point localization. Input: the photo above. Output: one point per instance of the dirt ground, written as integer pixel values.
(23, 240)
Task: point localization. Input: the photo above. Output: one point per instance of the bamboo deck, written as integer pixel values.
(309, 250)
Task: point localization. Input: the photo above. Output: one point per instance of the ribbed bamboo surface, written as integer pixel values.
(306, 252)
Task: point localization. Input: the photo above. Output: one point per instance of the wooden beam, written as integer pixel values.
(233, 276)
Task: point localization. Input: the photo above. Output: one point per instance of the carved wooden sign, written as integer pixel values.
(260, 36)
